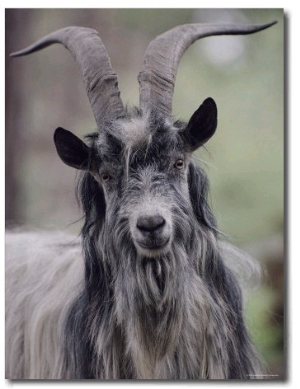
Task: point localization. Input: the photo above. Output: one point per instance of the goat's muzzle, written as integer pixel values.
(152, 235)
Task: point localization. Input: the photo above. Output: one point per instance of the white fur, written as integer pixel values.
(44, 274)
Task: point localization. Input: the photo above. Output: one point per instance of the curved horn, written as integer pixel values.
(89, 52)
(161, 60)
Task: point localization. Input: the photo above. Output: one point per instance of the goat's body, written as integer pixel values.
(56, 331)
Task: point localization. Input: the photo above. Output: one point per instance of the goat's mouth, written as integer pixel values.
(153, 247)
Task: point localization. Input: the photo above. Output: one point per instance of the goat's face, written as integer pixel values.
(141, 164)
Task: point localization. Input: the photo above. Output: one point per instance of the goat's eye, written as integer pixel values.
(179, 164)
(105, 177)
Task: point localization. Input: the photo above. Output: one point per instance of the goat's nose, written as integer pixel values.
(150, 224)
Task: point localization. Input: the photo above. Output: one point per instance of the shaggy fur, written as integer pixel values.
(44, 274)
(129, 310)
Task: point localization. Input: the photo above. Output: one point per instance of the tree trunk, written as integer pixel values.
(14, 36)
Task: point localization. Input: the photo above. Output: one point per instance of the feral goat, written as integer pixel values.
(147, 292)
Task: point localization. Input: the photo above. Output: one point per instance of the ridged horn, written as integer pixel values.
(162, 56)
(101, 82)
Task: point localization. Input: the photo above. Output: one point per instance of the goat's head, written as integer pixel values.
(140, 161)
(141, 164)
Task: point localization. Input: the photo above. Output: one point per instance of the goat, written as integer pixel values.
(146, 292)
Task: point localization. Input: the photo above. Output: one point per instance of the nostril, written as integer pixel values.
(150, 223)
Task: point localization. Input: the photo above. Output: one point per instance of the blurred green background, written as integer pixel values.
(244, 160)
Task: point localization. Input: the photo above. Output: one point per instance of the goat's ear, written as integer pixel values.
(72, 151)
(201, 126)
